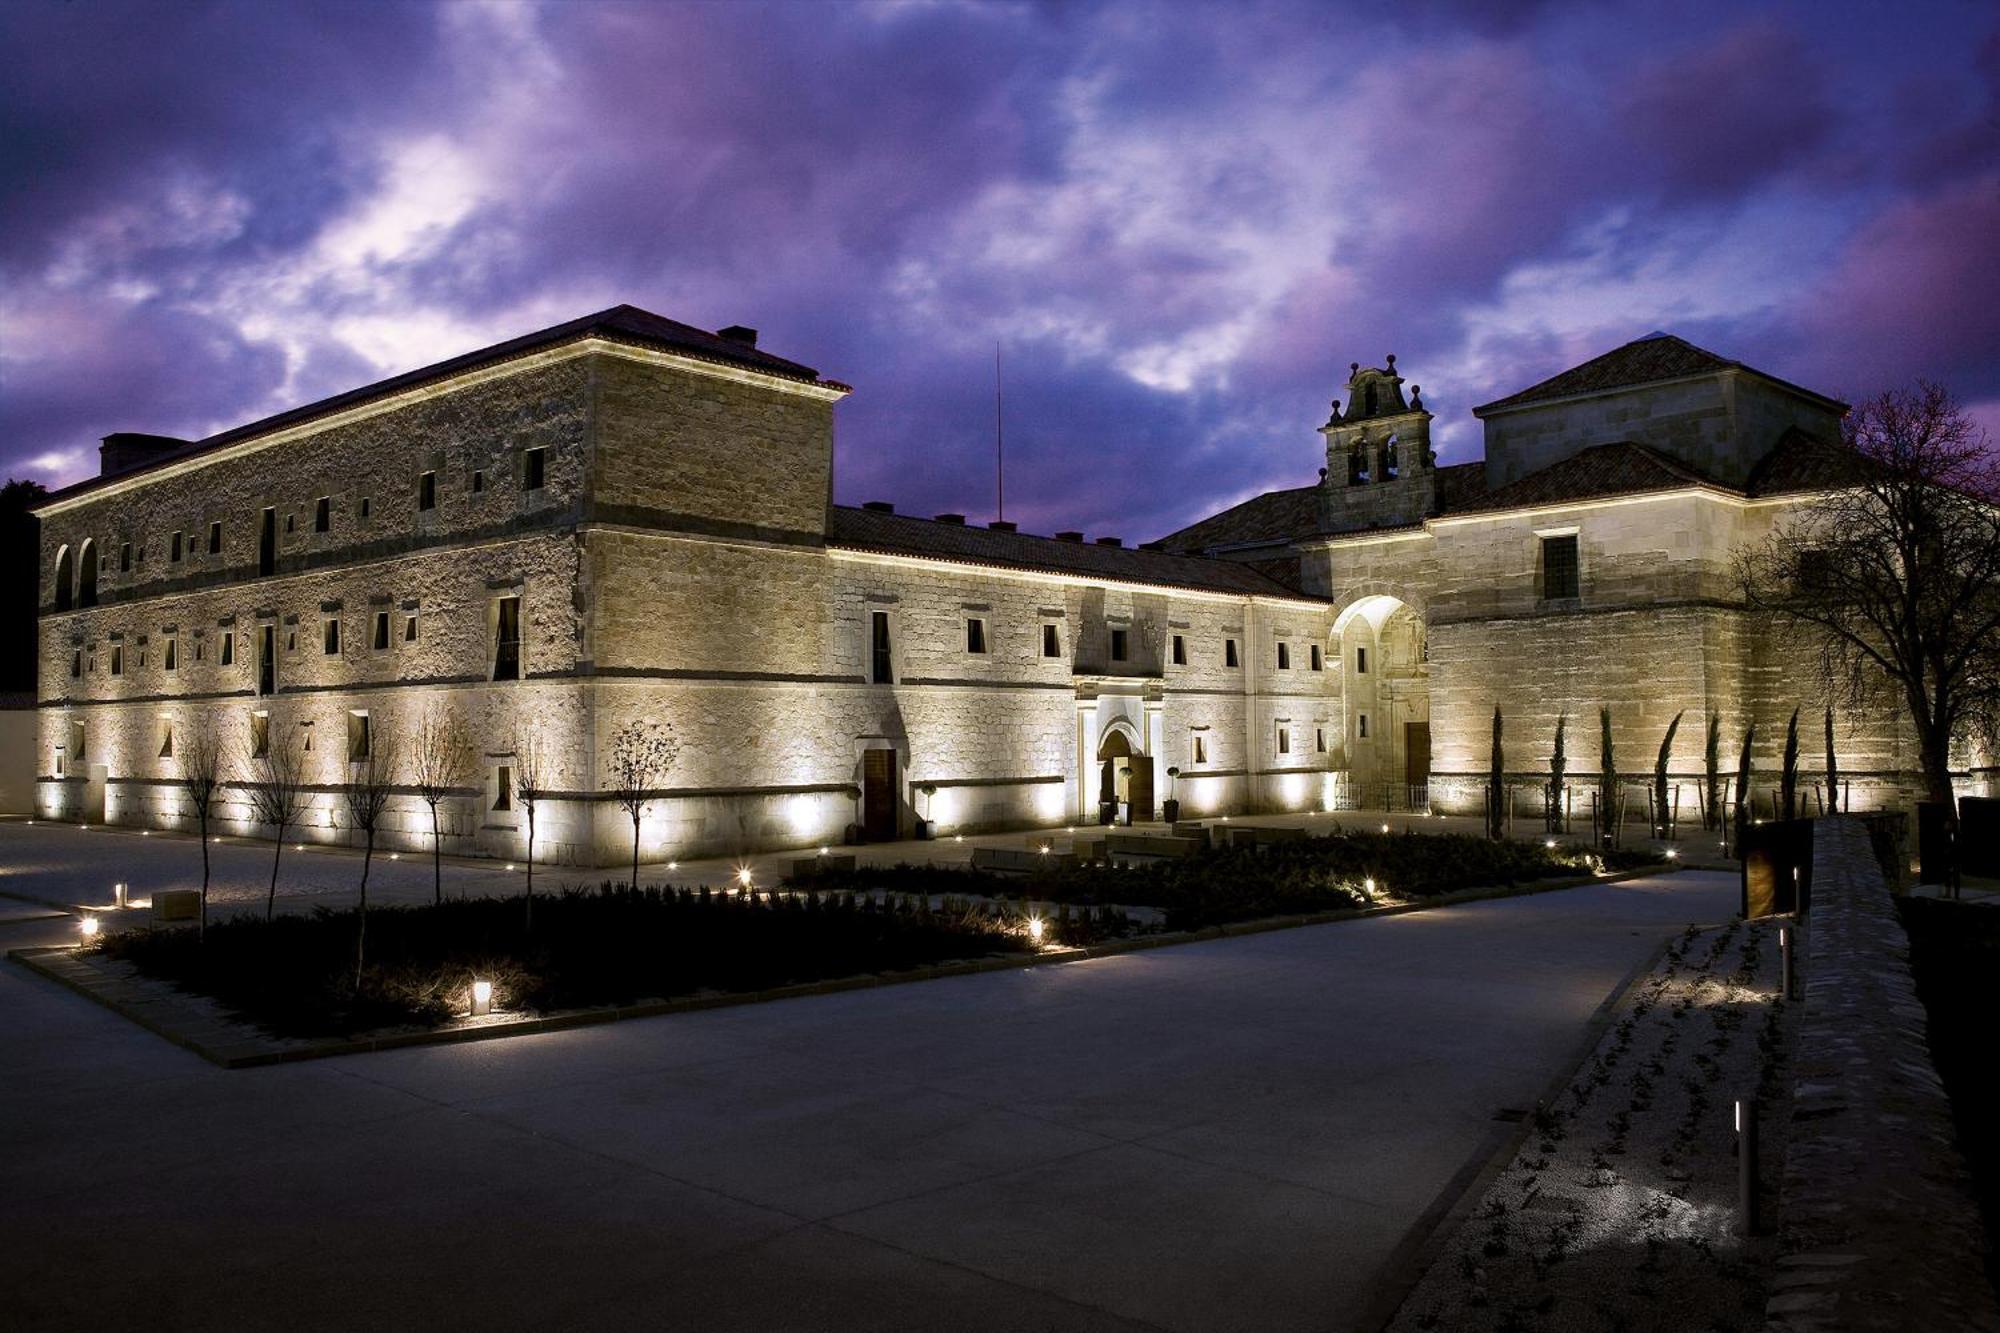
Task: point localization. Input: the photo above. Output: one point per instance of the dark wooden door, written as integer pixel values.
(1140, 789)
(878, 795)
(1416, 753)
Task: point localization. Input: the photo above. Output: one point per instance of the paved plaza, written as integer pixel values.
(1235, 1134)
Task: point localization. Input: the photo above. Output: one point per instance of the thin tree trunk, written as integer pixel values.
(271, 898)
(203, 934)
(635, 855)
(361, 931)
(530, 907)
(437, 861)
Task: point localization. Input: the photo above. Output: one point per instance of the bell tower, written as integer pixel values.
(1380, 472)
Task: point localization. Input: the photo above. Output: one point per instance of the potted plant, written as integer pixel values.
(1170, 809)
(923, 825)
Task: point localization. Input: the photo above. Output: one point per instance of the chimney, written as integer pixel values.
(952, 518)
(1110, 541)
(125, 450)
(1069, 536)
(879, 506)
(1001, 525)
(737, 333)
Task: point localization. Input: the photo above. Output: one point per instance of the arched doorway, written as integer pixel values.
(1125, 776)
(1381, 645)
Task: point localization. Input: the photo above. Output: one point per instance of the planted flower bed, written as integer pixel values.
(1271, 879)
(294, 975)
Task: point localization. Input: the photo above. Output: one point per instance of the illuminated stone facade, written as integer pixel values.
(624, 519)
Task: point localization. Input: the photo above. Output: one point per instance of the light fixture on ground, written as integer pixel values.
(744, 876)
(1673, 854)
(121, 894)
(1368, 886)
(88, 928)
(1036, 929)
(482, 997)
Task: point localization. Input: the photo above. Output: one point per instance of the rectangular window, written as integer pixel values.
(1200, 748)
(170, 655)
(174, 548)
(229, 647)
(534, 469)
(1319, 740)
(124, 557)
(330, 636)
(1229, 652)
(879, 667)
(260, 735)
(410, 628)
(358, 736)
(975, 635)
(76, 665)
(1284, 739)
(1180, 650)
(267, 658)
(1120, 644)
(117, 660)
(1360, 661)
(507, 639)
(323, 513)
(1051, 642)
(1361, 725)
(503, 787)
(1313, 657)
(1284, 657)
(380, 639)
(364, 509)
(1559, 570)
(267, 542)
(215, 538)
(478, 481)
(427, 491)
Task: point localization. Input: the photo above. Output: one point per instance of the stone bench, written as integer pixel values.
(805, 867)
(1152, 844)
(1021, 860)
(1243, 835)
(177, 905)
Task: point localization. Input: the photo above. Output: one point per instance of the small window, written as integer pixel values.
(1120, 644)
(1229, 652)
(291, 640)
(323, 513)
(975, 635)
(503, 787)
(228, 647)
(291, 524)
(879, 668)
(1559, 570)
(365, 508)
(1360, 661)
(76, 665)
(1051, 642)
(166, 740)
(170, 654)
(215, 538)
(358, 736)
(174, 548)
(1313, 658)
(1284, 739)
(117, 661)
(1180, 650)
(260, 735)
(1361, 725)
(379, 640)
(1284, 657)
(330, 636)
(410, 628)
(534, 469)
(1200, 748)
(1319, 740)
(427, 491)
(124, 557)
(478, 485)
(507, 639)
(267, 659)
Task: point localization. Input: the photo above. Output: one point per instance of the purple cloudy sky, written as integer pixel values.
(1180, 221)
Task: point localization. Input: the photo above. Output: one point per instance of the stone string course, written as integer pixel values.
(1878, 1229)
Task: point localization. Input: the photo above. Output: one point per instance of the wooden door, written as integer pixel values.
(1416, 753)
(878, 795)
(1139, 790)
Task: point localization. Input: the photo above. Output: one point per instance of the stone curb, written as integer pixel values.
(250, 1048)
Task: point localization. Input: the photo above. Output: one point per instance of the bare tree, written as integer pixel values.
(1892, 573)
(531, 775)
(199, 754)
(278, 792)
(641, 755)
(371, 781)
(440, 764)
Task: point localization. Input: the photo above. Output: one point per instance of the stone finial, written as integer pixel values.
(1416, 397)
(1354, 368)
(1335, 405)
(1392, 363)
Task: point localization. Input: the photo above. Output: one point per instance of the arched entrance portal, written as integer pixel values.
(1385, 670)
(1125, 777)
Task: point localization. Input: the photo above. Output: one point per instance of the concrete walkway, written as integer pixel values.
(1228, 1135)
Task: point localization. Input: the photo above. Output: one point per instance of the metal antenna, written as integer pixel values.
(999, 445)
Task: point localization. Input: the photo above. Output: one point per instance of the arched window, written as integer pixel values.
(63, 602)
(86, 575)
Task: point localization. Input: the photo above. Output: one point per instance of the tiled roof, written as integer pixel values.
(1460, 485)
(1648, 360)
(1798, 462)
(623, 324)
(1594, 473)
(902, 534)
(1272, 516)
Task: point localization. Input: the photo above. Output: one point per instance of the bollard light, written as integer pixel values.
(1747, 1165)
(673, 865)
(1035, 929)
(1673, 854)
(121, 894)
(743, 876)
(1549, 843)
(89, 927)
(1368, 886)
(482, 997)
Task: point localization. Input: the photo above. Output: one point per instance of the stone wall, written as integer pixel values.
(1877, 1226)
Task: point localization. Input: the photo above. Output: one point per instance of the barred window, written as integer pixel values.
(1559, 570)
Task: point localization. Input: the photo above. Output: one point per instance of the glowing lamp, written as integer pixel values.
(89, 927)
(145, 833)
(1549, 843)
(959, 838)
(1368, 886)
(1385, 828)
(215, 839)
(1043, 849)
(743, 876)
(1673, 855)
(673, 865)
(510, 865)
(1036, 929)
(121, 894)
(482, 997)
(822, 851)
(298, 846)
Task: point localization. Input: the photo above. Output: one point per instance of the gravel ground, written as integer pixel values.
(1618, 1211)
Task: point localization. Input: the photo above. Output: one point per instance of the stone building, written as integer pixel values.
(625, 519)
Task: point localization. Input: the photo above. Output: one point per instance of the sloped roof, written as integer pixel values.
(1649, 360)
(1595, 473)
(1272, 516)
(622, 324)
(1799, 462)
(902, 534)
